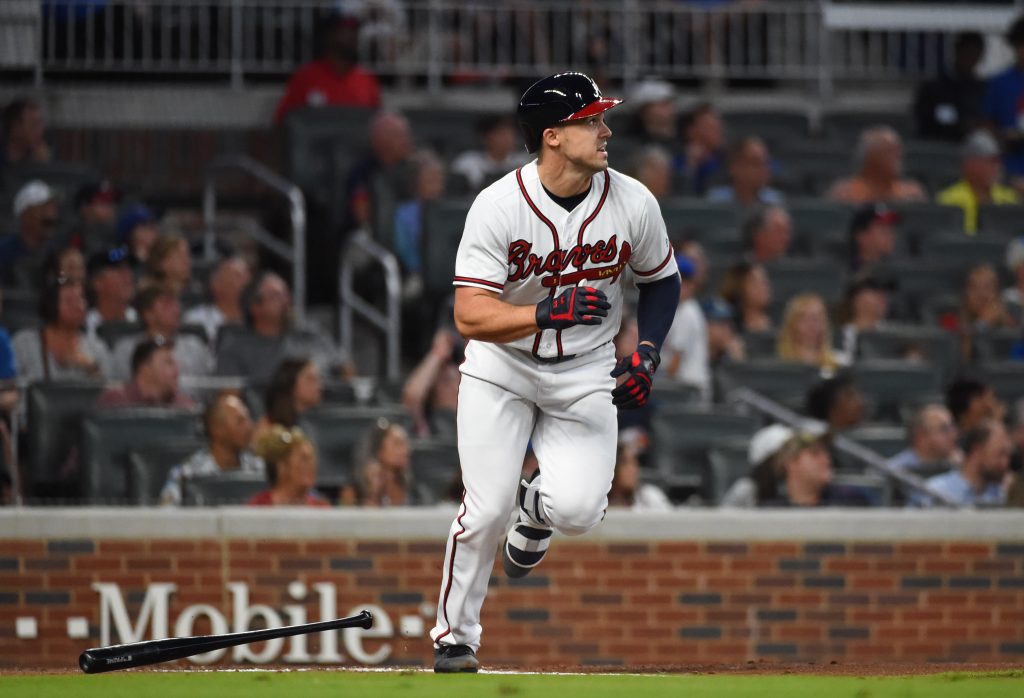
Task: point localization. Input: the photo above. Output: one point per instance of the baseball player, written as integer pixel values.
(538, 279)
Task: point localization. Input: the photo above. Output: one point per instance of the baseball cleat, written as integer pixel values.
(455, 659)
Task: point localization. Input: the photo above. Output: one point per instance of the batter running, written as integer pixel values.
(538, 280)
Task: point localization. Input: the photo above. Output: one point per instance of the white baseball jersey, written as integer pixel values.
(521, 243)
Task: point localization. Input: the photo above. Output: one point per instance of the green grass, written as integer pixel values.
(339, 684)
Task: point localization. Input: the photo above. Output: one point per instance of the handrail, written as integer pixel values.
(389, 321)
(764, 405)
(296, 252)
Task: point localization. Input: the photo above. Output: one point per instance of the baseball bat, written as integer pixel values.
(99, 659)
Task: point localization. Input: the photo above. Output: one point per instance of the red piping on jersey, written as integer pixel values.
(482, 282)
(657, 268)
(451, 571)
(554, 238)
(592, 216)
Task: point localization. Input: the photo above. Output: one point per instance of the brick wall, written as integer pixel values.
(592, 602)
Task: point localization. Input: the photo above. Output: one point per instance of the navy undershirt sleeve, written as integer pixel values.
(656, 309)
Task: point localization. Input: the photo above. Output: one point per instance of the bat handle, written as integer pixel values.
(366, 619)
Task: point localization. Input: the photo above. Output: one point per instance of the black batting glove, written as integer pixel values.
(579, 305)
(640, 365)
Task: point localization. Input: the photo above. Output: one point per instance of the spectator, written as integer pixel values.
(804, 465)
(1004, 106)
(228, 428)
(169, 264)
(655, 119)
(984, 477)
(1013, 296)
(980, 170)
(23, 254)
(59, 350)
(498, 156)
(762, 483)
(269, 337)
(154, 381)
(837, 401)
(334, 78)
(767, 232)
(291, 469)
(694, 251)
(96, 214)
(872, 239)
(628, 491)
(951, 106)
(702, 152)
(805, 336)
(652, 166)
(227, 282)
(8, 367)
(160, 311)
(932, 437)
(972, 402)
(295, 388)
(865, 307)
(113, 287)
(409, 214)
(384, 475)
(389, 164)
(879, 159)
(431, 392)
(747, 289)
(750, 173)
(723, 342)
(67, 262)
(981, 309)
(685, 353)
(24, 133)
(138, 230)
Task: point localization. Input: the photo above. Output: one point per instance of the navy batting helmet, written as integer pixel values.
(557, 99)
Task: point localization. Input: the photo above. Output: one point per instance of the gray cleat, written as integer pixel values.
(455, 659)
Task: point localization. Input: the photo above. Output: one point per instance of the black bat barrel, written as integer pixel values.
(100, 659)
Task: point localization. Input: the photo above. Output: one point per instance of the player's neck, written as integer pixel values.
(562, 178)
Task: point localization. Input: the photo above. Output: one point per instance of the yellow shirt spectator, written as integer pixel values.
(961, 194)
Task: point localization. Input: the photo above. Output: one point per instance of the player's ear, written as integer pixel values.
(552, 136)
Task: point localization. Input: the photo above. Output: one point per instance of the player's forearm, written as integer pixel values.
(492, 320)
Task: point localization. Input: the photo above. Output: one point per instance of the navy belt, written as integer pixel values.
(554, 359)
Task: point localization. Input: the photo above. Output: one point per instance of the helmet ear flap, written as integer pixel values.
(532, 136)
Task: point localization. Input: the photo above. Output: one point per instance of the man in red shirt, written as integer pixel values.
(335, 78)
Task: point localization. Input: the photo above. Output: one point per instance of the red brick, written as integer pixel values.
(919, 615)
(102, 563)
(774, 549)
(732, 582)
(953, 566)
(946, 632)
(806, 598)
(173, 546)
(896, 565)
(951, 599)
(22, 547)
(799, 632)
(120, 547)
(847, 564)
(742, 564)
(960, 615)
(871, 616)
(673, 548)
(872, 583)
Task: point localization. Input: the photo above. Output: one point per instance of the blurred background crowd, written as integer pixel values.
(850, 329)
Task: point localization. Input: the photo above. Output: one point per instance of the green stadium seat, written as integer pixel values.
(55, 412)
(939, 347)
(149, 466)
(336, 432)
(221, 490)
(889, 382)
(785, 381)
(1002, 222)
(443, 223)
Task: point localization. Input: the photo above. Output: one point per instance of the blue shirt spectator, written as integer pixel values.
(980, 479)
(1004, 102)
(7, 367)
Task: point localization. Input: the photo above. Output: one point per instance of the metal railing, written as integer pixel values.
(909, 481)
(811, 41)
(360, 248)
(295, 252)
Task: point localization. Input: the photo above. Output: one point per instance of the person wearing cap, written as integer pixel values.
(497, 156)
(160, 311)
(96, 211)
(767, 233)
(762, 483)
(804, 468)
(22, 254)
(724, 344)
(980, 170)
(24, 134)
(334, 78)
(1004, 106)
(879, 177)
(952, 105)
(750, 173)
(655, 120)
(154, 379)
(685, 351)
(865, 307)
(138, 230)
(113, 286)
(872, 238)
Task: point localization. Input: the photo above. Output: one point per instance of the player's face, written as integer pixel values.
(584, 142)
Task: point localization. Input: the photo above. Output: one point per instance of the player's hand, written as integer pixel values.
(579, 305)
(639, 367)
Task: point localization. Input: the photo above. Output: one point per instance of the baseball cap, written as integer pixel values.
(869, 279)
(716, 310)
(133, 216)
(686, 266)
(767, 442)
(107, 259)
(95, 192)
(34, 193)
(871, 213)
(651, 91)
(980, 144)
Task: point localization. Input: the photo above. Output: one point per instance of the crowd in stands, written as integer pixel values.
(101, 291)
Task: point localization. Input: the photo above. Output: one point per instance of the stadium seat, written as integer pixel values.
(1006, 379)
(55, 411)
(884, 440)
(785, 381)
(996, 344)
(773, 127)
(681, 437)
(108, 437)
(443, 222)
(728, 460)
(921, 221)
(445, 131)
(939, 347)
(336, 431)
(149, 465)
(817, 221)
(114, 331)
(697, 219)
(761, 345)
(962, 253)
(672, 392)
(222, 489)
(790, 277)
(848, 125)
(933, 163)
(889, 382)
(916, 281)
(435, 467)
(1001, 221)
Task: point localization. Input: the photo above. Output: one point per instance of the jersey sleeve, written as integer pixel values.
(652, 257)
(482, 259)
